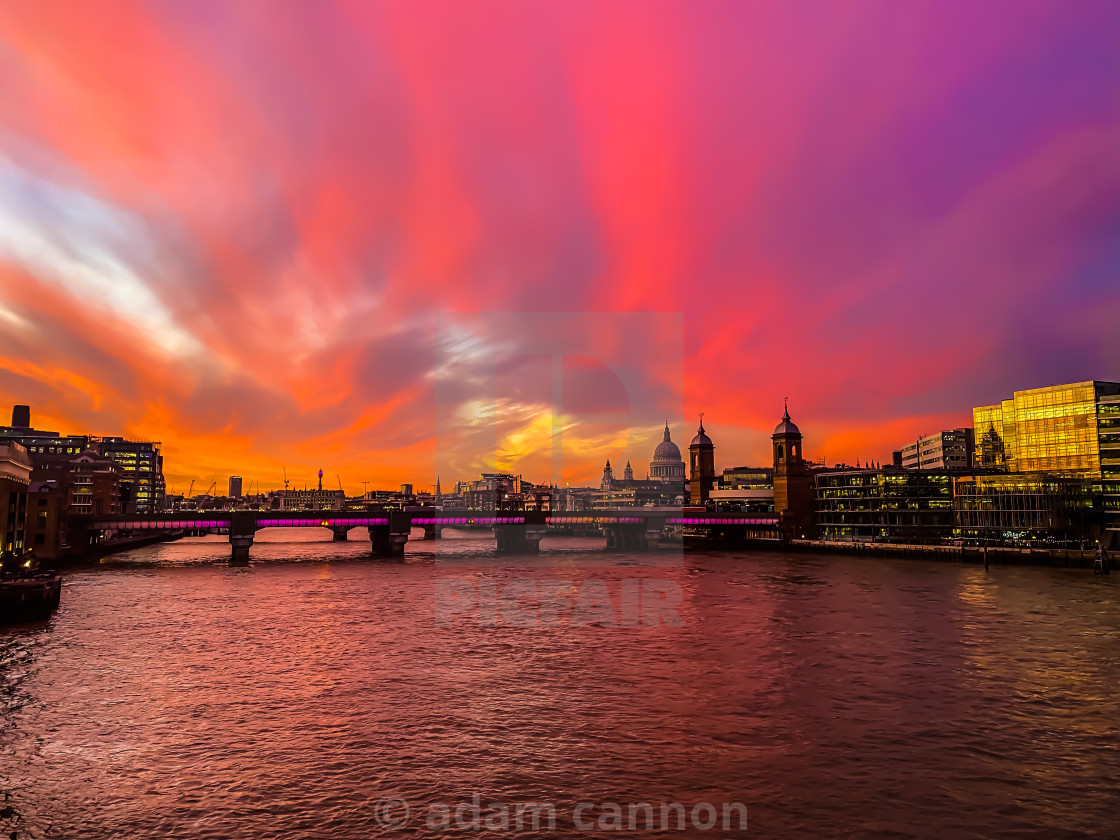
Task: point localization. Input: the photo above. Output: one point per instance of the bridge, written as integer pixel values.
(516, 531)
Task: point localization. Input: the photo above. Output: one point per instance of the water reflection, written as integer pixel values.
(173, 696)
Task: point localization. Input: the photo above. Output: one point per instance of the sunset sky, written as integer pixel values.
(396, 239)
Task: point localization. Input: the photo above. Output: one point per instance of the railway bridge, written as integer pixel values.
(516, 531)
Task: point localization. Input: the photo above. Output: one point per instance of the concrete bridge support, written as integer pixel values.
(239, 556)
(340, 533)
(242, 529)
(519, 539)
(632, 537)
(389, 540)
(387, 544)
(433, 532)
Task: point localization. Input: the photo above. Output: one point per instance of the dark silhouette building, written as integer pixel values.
(702, 463)
(664, 485)
(794, 496)
(140, 462)
(607, 481)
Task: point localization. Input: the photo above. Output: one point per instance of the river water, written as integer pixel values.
(175, 697)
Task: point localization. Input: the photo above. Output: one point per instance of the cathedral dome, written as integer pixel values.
(666, 451)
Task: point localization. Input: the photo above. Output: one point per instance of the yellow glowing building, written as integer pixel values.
(1061, 430)
(1055, 429)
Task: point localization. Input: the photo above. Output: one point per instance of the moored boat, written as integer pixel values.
(27, 595)
(24, 600)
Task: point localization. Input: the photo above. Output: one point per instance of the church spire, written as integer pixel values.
(666, 438)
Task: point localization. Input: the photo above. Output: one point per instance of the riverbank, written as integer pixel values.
(103, 549)
(1000, 556)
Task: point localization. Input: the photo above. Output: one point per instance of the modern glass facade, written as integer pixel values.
(890, 505)
(141, 466)
(1108, 436)
(1055, 429)
(1026, 509)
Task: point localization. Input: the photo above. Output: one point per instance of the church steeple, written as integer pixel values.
(793, 481)
(608, 477)
(703, 465)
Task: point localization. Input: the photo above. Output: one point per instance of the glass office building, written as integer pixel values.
(1070, 431)
(1026, 510)
(1108, 436)
(141, 466)
(886, 505)
(1055, 429)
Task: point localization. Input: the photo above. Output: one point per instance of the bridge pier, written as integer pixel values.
(340, 533)
(519, 539)
(242, 529)
(239, 556)
(433, 532)
(632, 537)
(388, 540)
(508, 540)
(533, 536)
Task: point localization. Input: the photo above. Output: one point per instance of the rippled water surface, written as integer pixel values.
(174, 697)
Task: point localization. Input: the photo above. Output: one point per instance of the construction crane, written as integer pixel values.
(340, 490)
(189, 489)
(213, 484)
(285, 477)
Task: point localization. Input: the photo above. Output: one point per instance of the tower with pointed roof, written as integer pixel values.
(794, 500)
(702, 463)
(628, 473)
(608, 477)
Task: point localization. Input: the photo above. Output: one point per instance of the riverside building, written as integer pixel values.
(948, 450)
(15, 474)
(884, 505)
(1062, 443)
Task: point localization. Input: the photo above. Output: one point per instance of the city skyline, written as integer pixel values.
(254, 236)
(22, 415)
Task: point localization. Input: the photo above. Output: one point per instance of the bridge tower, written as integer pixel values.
(794, 500)
(702, 462)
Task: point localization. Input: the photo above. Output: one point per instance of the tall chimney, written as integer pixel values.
(21, 416)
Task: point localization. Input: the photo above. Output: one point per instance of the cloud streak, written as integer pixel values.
(266, 236)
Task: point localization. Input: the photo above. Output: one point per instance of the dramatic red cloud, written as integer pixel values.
(338, 235)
